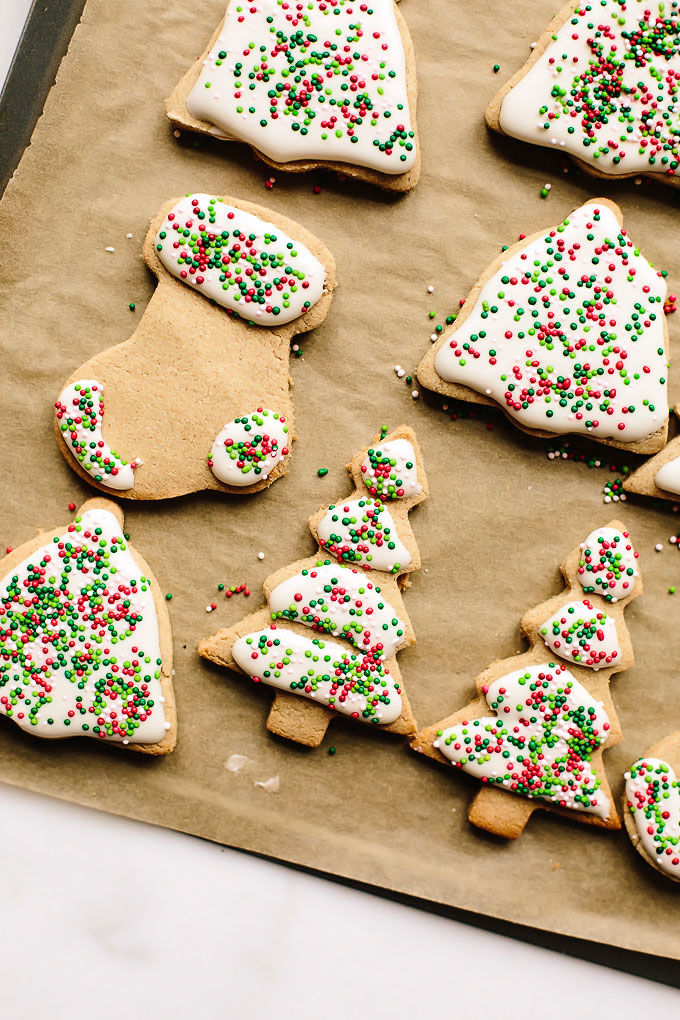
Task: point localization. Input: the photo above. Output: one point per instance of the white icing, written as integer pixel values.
(608, 564)
(571, 367)
(363, 531)
(355, 78)
(583, 635)
(390, 470)
(540, 742)
(80, 411)
(668, 476)
(653, 796)
(323, 671)
(292, 283)
(248, 449)
(92, 596)
(342, 602)
(618, 141)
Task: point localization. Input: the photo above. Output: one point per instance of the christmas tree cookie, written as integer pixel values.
(85, 642)
(320, 84)
(199, 396)
(536, 732)
(602, 85)
(660, 475)
(328, 638)
(652, 806)
(566, 333)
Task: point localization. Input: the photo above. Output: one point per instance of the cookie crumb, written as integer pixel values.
(270, 785)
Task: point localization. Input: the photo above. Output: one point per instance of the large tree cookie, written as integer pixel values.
(329, 85)
(652, 806)
(551, 713)
(199, 396)
(85, 642)
(602, 84)
(566, 333)
(349, 594)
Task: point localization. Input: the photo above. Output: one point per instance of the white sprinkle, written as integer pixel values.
(607, 499)
(236, 762)
(208, 609)
(415, 394)
(547, 187)
(397, 369)
(433, 337)
(658, 547)
(638, 180)
(533, 46)
(260, 556)
(177, 134)
(401, 373)
(296, 347)
(673, 540)
(623, 497)
(110, 250)
(430, 289)
(129, 237)
(167, 725)
(270, 785)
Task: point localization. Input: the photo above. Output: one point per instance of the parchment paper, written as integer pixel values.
(500, 517)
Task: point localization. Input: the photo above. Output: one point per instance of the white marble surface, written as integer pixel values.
(104, 918)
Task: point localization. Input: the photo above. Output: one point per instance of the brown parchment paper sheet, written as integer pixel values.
(500, 519)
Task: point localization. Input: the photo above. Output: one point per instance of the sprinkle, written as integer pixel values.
(496, 68)
(321, 472)
(430, 289)
(110, 250)
(168, 596)
(260, 556)
(131, 306)
(129, 237)
(658, 547)
(71, 507)
(415, 394)
(671, 590)
(331, 750)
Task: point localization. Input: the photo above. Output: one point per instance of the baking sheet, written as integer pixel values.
(500, 517)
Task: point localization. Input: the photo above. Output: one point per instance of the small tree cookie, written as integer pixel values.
(566, 333)
(601, 85)
(552, 713)
(85, 642)
(660, 475)
(651, 806)
(199, 396)
(349, 597)
(331, 86)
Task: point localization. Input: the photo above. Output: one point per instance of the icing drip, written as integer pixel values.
(248, 448)
(390, 470)
(653, 796)
(541, 741)
(79, 642)
(324, 671)
(568, 335)
(326, 81)
(249, 266)
(363, 531)
(608, 564)
(583, 635)
(606, 88)
(80, 413)
(342, 602)
(668, 476)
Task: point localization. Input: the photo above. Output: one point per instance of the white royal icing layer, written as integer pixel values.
(248, 449)
(605, 88)
(323, 671)
(653, 796)
(363, 531)
(608, 564)
(565, 337)
(390, 470)
(80, 648)
(583, 635)
(668, 476)
(250, 267)
(327, 78)
(342, 602)
(80, 412)
(540, 742)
